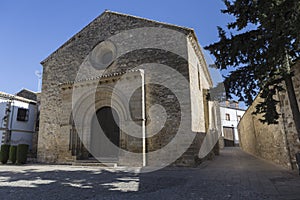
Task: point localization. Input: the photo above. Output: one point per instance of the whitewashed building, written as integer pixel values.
(230, 114)
(18, 117)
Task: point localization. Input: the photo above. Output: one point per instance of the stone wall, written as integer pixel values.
(277, 143)
(81, 111)
(63, 65)
(293, 143)
(67, 66)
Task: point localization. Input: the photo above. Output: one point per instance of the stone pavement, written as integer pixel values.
(232, 175)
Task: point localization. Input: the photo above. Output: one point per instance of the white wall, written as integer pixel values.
(23, 125)
(21, 131)
(1, 133)
(2, 111)
(233, 122)
(18, 137)
(198, 82)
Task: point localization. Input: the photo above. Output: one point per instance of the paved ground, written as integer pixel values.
(233, 175)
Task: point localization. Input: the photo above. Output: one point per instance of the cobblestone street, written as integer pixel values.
(232, 175)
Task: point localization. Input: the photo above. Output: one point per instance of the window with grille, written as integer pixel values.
(227, 117)
(22, 114)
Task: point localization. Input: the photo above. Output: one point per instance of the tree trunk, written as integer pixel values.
(293, 102)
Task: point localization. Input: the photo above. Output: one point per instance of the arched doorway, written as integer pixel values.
(105, 134)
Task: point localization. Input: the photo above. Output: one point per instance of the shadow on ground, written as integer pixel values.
(233, 175)
(80, 184)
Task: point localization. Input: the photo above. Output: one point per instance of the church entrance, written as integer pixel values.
(105, 134)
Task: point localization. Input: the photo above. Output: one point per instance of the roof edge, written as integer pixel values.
(69, 40)
(14, 97)
(150, 20)
(201, 56)
(101, 15)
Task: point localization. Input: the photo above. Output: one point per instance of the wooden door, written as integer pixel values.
(105, 140)
(228, 136)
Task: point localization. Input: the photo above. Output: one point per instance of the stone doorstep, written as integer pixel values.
(94, 163)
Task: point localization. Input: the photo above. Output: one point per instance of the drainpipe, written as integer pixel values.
(143, 118)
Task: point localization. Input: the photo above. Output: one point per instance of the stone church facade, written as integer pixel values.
(107, 74)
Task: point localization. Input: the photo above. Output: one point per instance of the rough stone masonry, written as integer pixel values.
(277, 143)
(66, 133)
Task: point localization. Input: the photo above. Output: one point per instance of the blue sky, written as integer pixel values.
(32, 29)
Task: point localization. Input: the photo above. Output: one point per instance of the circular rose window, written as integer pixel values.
(103, 55)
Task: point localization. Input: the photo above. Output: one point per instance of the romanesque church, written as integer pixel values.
(126, 90)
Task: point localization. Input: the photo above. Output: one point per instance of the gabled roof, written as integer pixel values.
(7, 96)
(28, 94)
(184, 30)
(149, 20)
(189, 32)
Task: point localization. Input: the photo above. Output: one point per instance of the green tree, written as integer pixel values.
(260, 46)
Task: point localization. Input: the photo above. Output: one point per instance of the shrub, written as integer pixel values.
(4, 153)
(22, 151)
(13, 154)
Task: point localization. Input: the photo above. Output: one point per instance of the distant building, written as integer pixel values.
(18, 117)
(230, 115)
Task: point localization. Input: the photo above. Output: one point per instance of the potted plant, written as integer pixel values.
(22, 151)
(4, 153)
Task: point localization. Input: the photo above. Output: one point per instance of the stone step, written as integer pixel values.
(93, 163)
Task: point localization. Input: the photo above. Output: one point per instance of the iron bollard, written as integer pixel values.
(298, 161)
